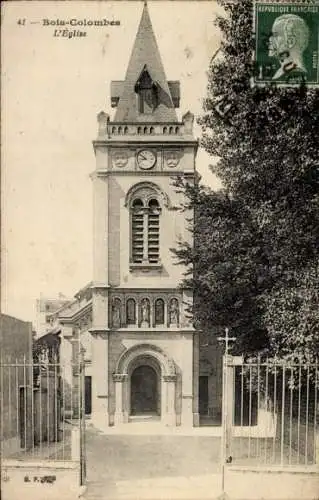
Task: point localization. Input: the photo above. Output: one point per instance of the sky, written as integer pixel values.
(53, 87)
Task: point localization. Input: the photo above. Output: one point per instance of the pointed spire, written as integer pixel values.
(145, 56)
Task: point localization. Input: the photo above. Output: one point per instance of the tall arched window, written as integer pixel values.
(145, 228)
(153, 231)
(137, 221)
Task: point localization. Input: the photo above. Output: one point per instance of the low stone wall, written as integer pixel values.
(293, 483)
(40, 480)
(10, 446)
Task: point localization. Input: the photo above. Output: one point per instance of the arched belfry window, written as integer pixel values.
(154, 211)
(145, 213)
(147, 92)
(137, 228)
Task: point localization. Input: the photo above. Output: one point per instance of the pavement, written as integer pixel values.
(143, 464)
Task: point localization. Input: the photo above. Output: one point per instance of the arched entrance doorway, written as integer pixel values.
(145, 381)
(144, 391)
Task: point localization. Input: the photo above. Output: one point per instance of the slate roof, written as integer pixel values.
(145, 52)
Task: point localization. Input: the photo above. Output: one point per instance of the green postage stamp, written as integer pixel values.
(287, 42)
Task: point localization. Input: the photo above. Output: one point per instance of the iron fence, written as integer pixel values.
(42, 410)
(270, 412)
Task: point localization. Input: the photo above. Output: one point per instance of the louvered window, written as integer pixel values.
(153, 231)
(147, 92)
(145, 231)
(138, 231)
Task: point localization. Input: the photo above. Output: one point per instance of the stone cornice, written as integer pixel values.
(141, 123)
(169, 289)
(120, 377)
(154, 140)
(101, 286)
(97, 331)
(169, 378)
(77, 314)
(138, 173)
(155, 330)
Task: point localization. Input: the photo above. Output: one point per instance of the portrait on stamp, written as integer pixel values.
(286, 37)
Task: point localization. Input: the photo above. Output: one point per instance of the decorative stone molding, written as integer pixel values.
(154, 351)
(99, 332)
(172, 157)
(147, 267)
(99, 286)
(169, 378)
(147, 189)
(119, 158)
(173, 309)
(120, 377)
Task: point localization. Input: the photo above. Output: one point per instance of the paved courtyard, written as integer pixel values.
(149, 466)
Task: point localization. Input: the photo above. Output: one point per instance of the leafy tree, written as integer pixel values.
(257, 240)
(292, 316)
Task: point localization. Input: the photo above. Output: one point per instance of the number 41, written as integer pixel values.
(21, 22)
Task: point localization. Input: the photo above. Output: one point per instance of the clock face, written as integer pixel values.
(146, 159)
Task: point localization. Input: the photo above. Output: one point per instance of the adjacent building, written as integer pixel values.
(45, 312)
(15, 380)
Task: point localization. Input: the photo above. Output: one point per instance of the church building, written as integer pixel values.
(143, 356)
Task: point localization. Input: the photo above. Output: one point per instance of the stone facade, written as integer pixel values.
(140, 324)
(142, 351)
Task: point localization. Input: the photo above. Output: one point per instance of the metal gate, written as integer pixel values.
(43, 410)
(270, 413)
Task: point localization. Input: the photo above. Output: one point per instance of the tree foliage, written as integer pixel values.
(255, 257)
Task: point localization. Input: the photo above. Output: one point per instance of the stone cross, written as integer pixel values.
(226, 339)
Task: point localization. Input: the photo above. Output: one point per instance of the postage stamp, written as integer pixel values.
(287, 42)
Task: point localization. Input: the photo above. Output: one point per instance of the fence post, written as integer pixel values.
(229, 405)
(75, 443)
(82, 419)
(227, 417)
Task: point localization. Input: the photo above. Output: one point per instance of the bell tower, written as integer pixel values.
(144, 348)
